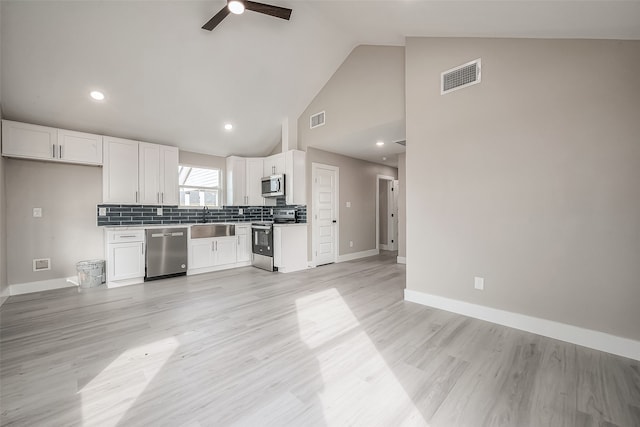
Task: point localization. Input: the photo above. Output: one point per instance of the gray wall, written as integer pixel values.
(4, 288)
(364, 101)
(530, 179)
(66, 233)
(358, 186)
(402, 210)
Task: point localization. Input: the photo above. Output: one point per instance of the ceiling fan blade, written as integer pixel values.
(267, 9)
(218, 17)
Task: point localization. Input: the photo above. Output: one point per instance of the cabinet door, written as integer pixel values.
(169, 176)
(149, 174)
(295, 177)
(225, 250)
(126, 261)
(243, 236)
(236, 182)
(30, 141)
(254, 181)
(78, 147)
(201, 253)
(274, 165)
(120, 171)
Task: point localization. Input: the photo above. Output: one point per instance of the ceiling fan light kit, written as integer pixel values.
(239, 6)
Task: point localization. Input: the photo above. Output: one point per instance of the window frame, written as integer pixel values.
(220, 187)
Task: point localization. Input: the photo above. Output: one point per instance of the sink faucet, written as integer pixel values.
(204, 214)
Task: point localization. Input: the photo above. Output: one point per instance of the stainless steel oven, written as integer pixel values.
(262, 245)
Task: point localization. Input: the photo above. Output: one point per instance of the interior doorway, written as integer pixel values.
(387, 213)
(325, 185)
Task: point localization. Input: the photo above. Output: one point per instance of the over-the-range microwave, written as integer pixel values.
(273, 186)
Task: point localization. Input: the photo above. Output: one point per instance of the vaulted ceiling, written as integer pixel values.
(168, 81)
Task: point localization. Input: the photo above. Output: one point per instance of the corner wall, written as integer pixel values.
(402, 206)
(358, 186)
(528, 179)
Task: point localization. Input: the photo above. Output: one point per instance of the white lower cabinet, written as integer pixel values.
(208, 254)
(290, 247)
(125, 256)
(243, 235)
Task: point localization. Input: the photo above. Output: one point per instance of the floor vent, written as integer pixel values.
(460, 77)
(42, 264)
(316, 120)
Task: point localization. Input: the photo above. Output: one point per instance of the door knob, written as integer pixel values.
(334, 221)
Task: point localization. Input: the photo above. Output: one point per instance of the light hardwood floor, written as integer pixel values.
(335, 345)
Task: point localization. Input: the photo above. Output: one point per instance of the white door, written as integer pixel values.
(393, 215)
(254, 182)
(149, 174)
(244, 243)
(236, 181)
(169, 176)
(127, 261)
(201, 253)
(225, 250)
(325, 213)
(79, 147)
(120, 171)
(31, 141)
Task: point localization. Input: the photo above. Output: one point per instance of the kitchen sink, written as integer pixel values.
(203, 231)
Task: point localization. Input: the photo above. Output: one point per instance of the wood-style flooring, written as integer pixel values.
(335, 345)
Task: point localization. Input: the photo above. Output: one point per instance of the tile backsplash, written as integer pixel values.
(147, 215)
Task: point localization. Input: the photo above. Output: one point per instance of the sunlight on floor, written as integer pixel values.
(362, 389)
(108, 396)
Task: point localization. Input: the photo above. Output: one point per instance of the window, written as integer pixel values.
(199, 186)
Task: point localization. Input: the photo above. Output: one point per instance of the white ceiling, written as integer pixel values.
(168, 81)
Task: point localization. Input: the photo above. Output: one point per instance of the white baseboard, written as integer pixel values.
(402, 260)
(43, 285)
(358, 255)
(3, 299)
(561, 331)
(383, 247)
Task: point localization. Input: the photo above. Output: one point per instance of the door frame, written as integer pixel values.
(336, 202)
(385, 178)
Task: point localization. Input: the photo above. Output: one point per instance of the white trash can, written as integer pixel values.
(90, 273)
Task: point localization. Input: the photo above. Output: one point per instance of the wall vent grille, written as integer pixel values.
(460, 77)
(42, 264)
(316, 120)
(403, 142)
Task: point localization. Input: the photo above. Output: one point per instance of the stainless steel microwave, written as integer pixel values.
(273, 186)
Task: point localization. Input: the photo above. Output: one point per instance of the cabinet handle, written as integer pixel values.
(60, 151)
(131, 236)
(162, 197)
(136, 197)
(53, 153)
(142, 249)
(216, 245)
(212, 247)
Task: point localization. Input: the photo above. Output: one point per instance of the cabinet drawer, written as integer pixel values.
(125, 236)
(242, 230)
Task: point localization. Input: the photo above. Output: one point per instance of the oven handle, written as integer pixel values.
(261, 227)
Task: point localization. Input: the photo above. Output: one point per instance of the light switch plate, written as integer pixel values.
(479, 283)
(159, 211)
(240, 211)
(37, 212)
(102, 211)
(348, 204)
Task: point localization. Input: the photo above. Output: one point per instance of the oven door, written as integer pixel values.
(262, 240)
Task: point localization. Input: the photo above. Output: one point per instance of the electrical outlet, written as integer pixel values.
(271, 211)
(348, 204)
(102, 211)
(159, 211)
(478, 283)
(37, 212)
(350, 243)
(240, 211)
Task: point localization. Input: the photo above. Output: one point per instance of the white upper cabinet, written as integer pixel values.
(244, 181)
(44, 143)
(139, 173)
(274, 165)
(255, 168)
(169, 159)
(295, 177)
(79, 147)
(120, 171)
(236, 181)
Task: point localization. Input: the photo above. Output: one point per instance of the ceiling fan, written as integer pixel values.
(239, 6)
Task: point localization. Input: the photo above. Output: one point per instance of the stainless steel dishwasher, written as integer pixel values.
(166, 253)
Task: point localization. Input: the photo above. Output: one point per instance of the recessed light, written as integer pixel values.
(236, 7)
(384, 158)
(379, 143)
(97, 95)
(228, 126)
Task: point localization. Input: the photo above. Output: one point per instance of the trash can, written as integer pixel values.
(90, 273)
